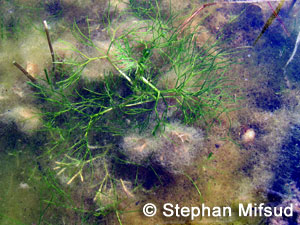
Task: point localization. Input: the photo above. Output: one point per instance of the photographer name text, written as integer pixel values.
(246, 210)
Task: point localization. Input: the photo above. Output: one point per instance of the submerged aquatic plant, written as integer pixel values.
(199, 88)
(159, 73)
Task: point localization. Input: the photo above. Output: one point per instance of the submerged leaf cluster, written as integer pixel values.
(160, 73)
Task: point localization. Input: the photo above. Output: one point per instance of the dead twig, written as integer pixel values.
(271, 19)
(275, 12)
(29, 76)
(188, 20)
(49, 43)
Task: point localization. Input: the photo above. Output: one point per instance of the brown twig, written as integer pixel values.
(29, 76)
(275, 12)
(49, 43)
(182, 26)
(270, 20)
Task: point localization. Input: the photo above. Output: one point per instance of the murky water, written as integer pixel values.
(179, 102)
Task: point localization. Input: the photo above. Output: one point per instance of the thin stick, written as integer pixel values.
(30, 77)
(49, 43)
(275, 12)
(128, 193)
(193, 15)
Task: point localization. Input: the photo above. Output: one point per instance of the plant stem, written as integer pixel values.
(120, 71)
(118, 217)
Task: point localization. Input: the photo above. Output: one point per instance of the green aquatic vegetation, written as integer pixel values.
(144, 9)
(199, 88)
(159, 72)
(196, 187)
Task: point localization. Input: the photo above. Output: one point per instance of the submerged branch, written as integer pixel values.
(29, 76)
(49, 43)
(188, 20)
